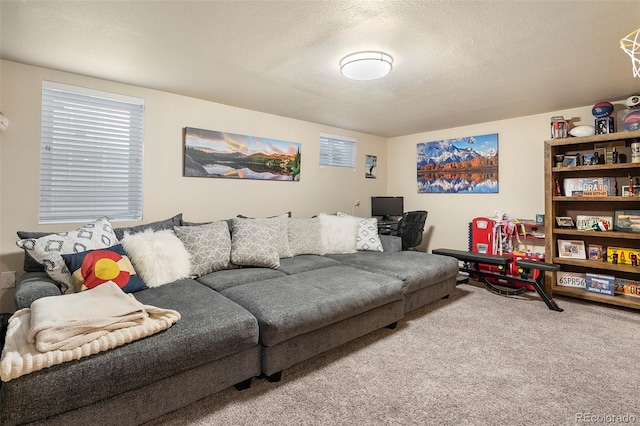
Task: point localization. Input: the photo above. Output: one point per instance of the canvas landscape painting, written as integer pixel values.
(209, 153)
(464, 165)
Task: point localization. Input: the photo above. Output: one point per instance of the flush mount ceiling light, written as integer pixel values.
(366, 65)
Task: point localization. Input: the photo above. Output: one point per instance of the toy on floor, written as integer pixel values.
(503, 236)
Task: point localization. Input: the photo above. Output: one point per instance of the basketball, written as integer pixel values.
(632, 121)
(602, 109)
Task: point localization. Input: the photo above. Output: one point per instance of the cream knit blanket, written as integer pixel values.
(63, 328)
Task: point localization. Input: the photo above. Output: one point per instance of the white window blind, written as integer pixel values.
(91, 154)
(338, 151)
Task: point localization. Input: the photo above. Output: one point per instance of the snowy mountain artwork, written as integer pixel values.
(465, 165)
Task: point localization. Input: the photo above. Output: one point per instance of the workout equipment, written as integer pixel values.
(631, 46)
(473, 263)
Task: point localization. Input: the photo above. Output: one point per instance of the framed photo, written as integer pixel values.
(571, 161)
(595, 252)
(626, 220)
(628, 192)
(564, 222)
(573, 249)
(590, 158)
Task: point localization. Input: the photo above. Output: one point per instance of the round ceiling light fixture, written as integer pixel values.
(366, 65)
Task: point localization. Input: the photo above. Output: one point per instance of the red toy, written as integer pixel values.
(496, 236)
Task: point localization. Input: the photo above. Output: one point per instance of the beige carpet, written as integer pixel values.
(474, 359)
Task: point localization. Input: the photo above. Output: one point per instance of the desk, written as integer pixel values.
(386, 227)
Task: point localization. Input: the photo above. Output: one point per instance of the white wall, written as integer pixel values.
(166, 192)
(521, 176)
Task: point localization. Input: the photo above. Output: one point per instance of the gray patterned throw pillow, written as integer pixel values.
(254, 243)
(48, 250)
(208, 245)
(305, 236)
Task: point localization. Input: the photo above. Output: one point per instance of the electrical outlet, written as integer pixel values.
(8, 279)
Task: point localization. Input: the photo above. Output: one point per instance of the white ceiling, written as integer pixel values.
(455, 62)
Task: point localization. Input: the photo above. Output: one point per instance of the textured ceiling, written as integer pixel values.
(455, 62)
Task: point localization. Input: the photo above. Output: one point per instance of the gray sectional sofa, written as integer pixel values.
(236, 324)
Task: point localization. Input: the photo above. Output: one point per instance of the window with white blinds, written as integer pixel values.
(338, 151)
(91, 154)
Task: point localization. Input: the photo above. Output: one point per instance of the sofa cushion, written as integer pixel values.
(209, 246)
(338, 234)
(296, 304)
(254, 243)
(307, 262)
(156, 226)
(222, 280)
(305, 236)
(48, 250)
(416, 269)
(92, 268)
(158, 256)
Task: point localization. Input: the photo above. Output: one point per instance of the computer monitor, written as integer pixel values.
(387, 206)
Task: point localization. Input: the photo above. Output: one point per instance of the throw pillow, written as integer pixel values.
(156, 226)
(158, 256)
(279, 223)
(367, 238)
(208, 245)
(92, 268)
(338, 234)
(305, 236)
(48, 250)
(254, 243)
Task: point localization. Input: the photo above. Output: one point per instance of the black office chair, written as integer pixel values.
(410, 228)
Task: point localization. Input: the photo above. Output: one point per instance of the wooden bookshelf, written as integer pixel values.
(563, 205)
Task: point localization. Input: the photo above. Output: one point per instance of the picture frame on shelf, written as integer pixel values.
(628, 192)
(564, 222)
(592, 158)
(571, 249)
(626, 220)
(595, 252)
(571, 160)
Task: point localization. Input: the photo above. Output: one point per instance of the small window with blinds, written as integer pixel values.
(91, 154)
(337, 151)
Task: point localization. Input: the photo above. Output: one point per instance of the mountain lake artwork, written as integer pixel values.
(464, 165)
(209, 153)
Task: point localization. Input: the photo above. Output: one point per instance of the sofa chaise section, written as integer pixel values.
(427, 277)
(311, 312)
(212, 347)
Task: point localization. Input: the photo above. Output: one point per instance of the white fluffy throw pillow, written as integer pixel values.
(159, 257)
(338, 233)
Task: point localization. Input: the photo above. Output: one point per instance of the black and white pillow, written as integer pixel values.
(48, 249)
(367, 238)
